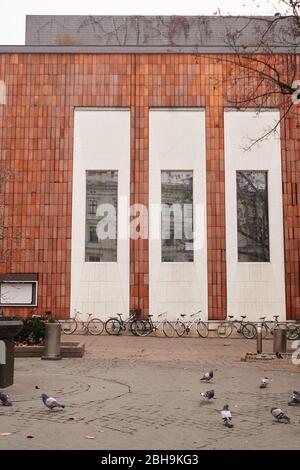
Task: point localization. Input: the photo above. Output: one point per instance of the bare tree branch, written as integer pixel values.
(264, 78)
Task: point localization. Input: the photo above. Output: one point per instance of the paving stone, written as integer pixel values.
(151, 401)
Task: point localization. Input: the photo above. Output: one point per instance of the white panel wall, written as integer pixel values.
(101, 142)
(177, 142)
(254, 289)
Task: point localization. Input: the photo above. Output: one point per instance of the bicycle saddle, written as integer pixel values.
(149, 316)
(183, 315)
(230, 316)
(262, 318)
(119, 314)
(276, 317)
(243, 316)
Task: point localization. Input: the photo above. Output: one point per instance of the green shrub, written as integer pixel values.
(33, 331)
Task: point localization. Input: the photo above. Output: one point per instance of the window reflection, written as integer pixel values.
(101, 225)
(177, 216)
(252, 216)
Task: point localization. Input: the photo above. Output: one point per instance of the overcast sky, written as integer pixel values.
(13, 12)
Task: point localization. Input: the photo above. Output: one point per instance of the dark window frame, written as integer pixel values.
(33, 303)
(93, 234)
(92, 206)
(91, 250)
(259, 251)
(166, 244)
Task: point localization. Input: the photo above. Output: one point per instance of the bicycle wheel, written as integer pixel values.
(202, 329)
(168, 329)
(249, 330)
(224, 329)
(237, 326)
(265, 330)
(95, 326)
(137, 327)
(179, 328)
(280, 326)
(292, 331)
(68, 327)
(191, 329)
(149, 328)
(158, 329)
(113, 326)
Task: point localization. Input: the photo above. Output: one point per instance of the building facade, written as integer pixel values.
(108, 122)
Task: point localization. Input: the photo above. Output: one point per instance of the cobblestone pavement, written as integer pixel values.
(143, 393)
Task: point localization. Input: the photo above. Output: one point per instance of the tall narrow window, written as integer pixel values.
(101, 216)
(177, 216)
(252, 216)
(93, 204)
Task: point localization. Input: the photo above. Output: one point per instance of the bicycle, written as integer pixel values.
(268, 327)
(114, 325)
(93, 326)
(162, 327)
(194, 325)
(246, 329)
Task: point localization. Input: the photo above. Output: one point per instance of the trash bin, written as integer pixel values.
(9, 328)
(52, 341)
(279, 340)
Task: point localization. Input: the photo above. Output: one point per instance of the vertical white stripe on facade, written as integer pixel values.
(177, 142)
(254, 289)
(101, 142)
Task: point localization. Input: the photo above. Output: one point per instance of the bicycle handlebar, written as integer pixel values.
(161, 314)
(196, 313)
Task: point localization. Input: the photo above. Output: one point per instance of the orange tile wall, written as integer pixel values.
(36, 145)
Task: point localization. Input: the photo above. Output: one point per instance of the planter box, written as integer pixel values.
(68, 349)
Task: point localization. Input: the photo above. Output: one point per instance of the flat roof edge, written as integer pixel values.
(20, 49)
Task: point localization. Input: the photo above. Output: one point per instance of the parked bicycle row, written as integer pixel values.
(186, 325)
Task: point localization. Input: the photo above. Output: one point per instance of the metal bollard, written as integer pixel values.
(279, 341)
(52, 342)
(7, 359)
(259, 339)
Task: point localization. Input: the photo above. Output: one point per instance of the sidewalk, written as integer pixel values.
(143, 393)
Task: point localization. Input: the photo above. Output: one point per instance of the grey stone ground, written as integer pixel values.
(143, 393)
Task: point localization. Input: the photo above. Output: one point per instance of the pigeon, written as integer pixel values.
(226, 416)
(207, 376)
(208, 395)
(279, 415)
(51, 402)
(4, 399)
(264, 382)
(295, 399)
(279, 355)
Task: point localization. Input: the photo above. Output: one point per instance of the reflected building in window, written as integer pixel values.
(252, 216)
(101, 188)
(177, 216)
